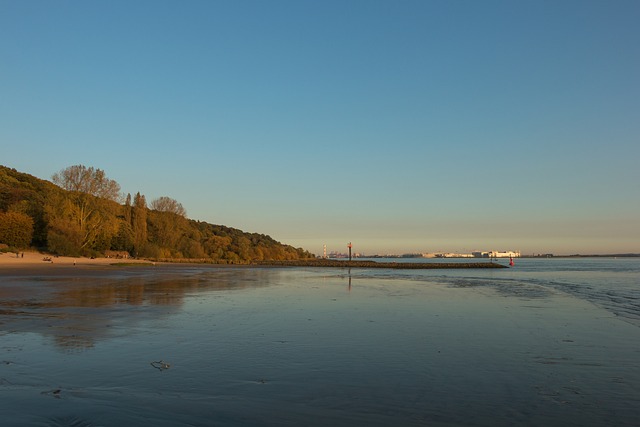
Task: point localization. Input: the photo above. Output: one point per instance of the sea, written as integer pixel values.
(547, 342)
(609, 282)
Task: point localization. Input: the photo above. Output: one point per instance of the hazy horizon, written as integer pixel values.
(409, 126)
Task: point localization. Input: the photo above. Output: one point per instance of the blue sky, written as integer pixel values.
(402, 126)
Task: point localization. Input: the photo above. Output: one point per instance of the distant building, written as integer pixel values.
(480, 254)
(496, 254)
(452, 255)
(507, 254)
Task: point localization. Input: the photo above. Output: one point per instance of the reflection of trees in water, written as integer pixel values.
(133, 291)
(79, 311)
(157, 290)
(74, 342)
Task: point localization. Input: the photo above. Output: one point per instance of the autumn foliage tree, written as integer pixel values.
(139, 223)
(81, 179)
(86, 214)
(16, 229)
(167, 204)
(82, 215)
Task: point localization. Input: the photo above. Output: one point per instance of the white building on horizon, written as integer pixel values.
(506, 254)
(496, 254)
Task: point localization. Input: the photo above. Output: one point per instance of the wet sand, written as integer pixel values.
(289, 346)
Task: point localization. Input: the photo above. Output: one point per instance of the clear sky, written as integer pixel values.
(399, 125)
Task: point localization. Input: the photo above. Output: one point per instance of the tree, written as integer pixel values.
(86, 222)
(16, 229)
(124, 238)
(86, 215)
(164, 229)
(88, 180)
(127, 209)
(167, 204)
(79, 217)
(139, 223)
(63, 235)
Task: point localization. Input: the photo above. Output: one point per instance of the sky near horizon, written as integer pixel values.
(401, 126)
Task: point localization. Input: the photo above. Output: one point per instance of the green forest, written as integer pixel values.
(81, 212)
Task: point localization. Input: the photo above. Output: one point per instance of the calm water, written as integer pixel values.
(549, 342)
(611, 283)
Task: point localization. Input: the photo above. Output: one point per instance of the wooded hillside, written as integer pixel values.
(84, 215)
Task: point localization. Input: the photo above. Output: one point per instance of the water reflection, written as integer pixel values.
(77, 311)
(305, 351)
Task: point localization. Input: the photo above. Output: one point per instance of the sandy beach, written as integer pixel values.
(31, 259)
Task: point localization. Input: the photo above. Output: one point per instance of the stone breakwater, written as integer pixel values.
(373, 264)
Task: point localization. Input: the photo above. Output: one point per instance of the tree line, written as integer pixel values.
(82, 213)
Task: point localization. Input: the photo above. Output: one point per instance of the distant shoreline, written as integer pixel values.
(587, 256)
(629, 255)
(373, 264)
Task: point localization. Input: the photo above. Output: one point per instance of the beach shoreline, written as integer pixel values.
(32, 259)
